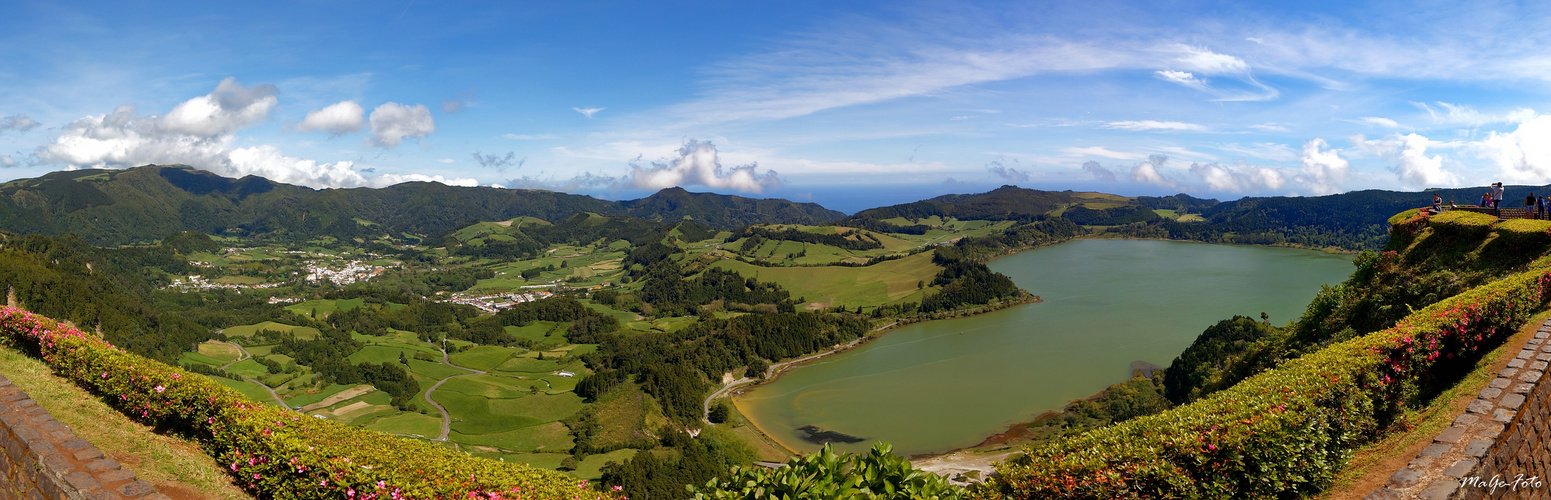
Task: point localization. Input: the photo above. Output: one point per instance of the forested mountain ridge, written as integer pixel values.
(146, 204)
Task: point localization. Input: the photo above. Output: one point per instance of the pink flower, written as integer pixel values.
(160, 389)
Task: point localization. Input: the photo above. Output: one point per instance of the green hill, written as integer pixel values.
(145, 204)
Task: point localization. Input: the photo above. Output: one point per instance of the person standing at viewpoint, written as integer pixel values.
(1497, 199)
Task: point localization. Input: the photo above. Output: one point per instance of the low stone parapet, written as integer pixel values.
(44, 459)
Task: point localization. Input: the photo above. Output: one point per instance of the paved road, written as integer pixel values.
(773, 369)
(446, 418)
(271, 391)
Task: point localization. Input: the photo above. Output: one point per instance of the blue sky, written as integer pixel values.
(849, 104)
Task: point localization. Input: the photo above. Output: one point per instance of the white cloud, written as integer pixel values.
(18, 123)
(1201, 62)
(446, 160)
(392, 122)
(1241, 178)
(1322, 169)
(231, 107)
(7, 161)
(1101, 152)
(588, 112)
(697, 164)
(1098, 172)
(1140, 125)
(1459, 114)
(201, 135)
(344, 117)
(1523, 155)
(529, 137)
(1270, 127)
(1416, 169)
(1374, 120)
(1147, 172)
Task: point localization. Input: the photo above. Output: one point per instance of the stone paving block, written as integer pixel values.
(1541, 335)
(1526, 354)
(102, 465)
(135, 489)
(1434, 450)
(1516, 363)
(81, 481)
(1383, 494)
(1523, 388)
(1530, 375)
(1500, 383)
(1538, 365)
(1477, 448)
(1405, 478)
(1508, 372)
(1439, 490)
(1503, 416)
(1450, 435)
(1490, 393)
(1479, 406)
(1512, 401)
(1466, 419)
(114, 476)
(1420, 463)
(1489, 430)
(1460, 468)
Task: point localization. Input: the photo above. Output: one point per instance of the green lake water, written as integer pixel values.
(940, 385)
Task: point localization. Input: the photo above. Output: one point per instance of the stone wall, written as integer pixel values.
(43, 459)
(1519, 462)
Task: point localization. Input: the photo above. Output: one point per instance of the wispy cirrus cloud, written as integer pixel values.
(1144, 125)
(587, 112)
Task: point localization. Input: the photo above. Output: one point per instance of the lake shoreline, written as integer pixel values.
(1008, 438)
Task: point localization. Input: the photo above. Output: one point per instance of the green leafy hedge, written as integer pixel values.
(273, 452)
(877, 475)
(1462, 224)
(1283, 433)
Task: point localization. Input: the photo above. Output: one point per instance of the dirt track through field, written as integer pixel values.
(339, 396)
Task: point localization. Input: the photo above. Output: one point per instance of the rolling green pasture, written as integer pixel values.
(882, 283)
(324, 307)
(301, 332)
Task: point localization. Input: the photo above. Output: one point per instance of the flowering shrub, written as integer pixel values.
(1284, 432)
(1524, 232)
(273, 452)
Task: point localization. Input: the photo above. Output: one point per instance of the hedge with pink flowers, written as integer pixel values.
(273, 452)
(1283, 433)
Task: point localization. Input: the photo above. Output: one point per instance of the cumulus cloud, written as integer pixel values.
(1147, 172)
(229, 108)
(392, 122)
(1141, 125)
(1322, 169)
(7, 162)
(1523, 155)
(1241, 178)
(499, 163)
(588, 112)
(697, 164)
(1008, 174)
(19, 123)
(1417, 169)
(1098, 172)
(344, 117)
(202, 135)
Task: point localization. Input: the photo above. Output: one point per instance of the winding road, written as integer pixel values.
(246, 355)
(776, 368)
(446, 417)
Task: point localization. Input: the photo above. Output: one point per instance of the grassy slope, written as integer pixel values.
(173, 465)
